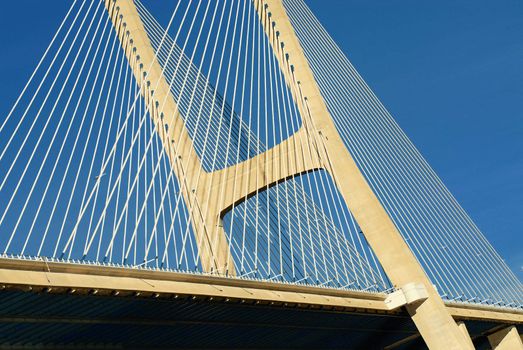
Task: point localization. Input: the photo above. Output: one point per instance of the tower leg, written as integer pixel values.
(212, 243)
(465, 332)
(506, 339)
(435, 324)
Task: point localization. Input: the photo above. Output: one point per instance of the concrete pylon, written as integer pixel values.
(463, 327)
(209, 195)
(431, 317)
(506, 339)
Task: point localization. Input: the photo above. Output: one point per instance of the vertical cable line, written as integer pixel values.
(237, 73)
(132, 63)
(119, 94)
(125, 86)
(290, 106)
(286, 201)
(249, 123)
(214, 98)
(214, 231)
(119, 126)
(110, 127)
(129, 193)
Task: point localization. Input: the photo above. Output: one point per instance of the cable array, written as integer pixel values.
(84, 173)
(266, 237)
(453, 251)
(93, 169)
(88, 175)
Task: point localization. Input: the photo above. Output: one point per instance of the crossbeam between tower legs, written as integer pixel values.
(208, 195)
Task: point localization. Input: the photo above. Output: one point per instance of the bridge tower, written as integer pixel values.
(433, 321)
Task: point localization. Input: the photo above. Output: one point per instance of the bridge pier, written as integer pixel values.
(506, 339)
(465, 332)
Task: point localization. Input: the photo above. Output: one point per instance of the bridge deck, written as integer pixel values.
(50, 304)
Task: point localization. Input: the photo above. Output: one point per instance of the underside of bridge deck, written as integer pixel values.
(46, 304)
(39, 319)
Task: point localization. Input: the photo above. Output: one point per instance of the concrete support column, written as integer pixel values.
(463, 329)
(506, 339)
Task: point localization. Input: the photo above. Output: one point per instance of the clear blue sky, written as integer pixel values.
(450, 72)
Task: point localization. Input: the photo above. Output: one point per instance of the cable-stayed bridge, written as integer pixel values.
(228, 179)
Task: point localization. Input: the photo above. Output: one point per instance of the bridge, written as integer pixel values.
(228, 180)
